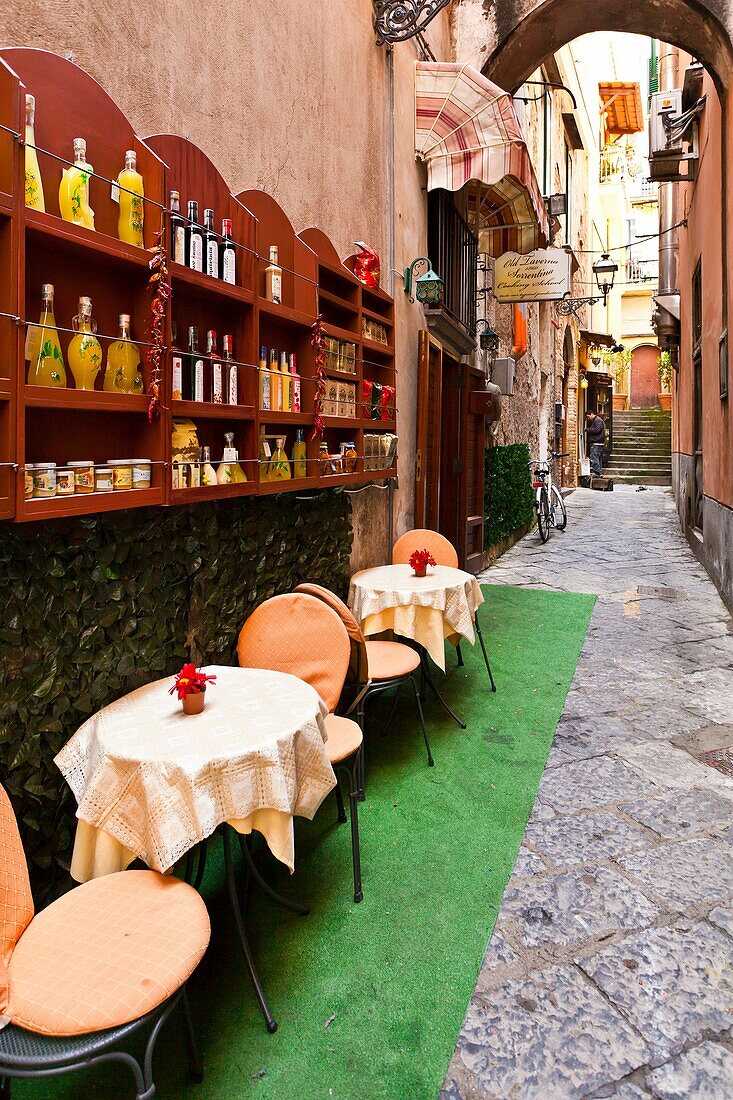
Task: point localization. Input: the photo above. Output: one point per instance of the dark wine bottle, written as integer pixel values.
(214, 370)
(178, 230)
(228, 257)
(194, 239)
(195, 373)
(211, 249)
(231, 373)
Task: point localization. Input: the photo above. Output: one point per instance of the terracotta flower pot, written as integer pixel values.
(420, 572)
(665, 401)
(619, 402)
(194, 704)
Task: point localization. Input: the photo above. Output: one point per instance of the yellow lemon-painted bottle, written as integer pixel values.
(42, 346)
(123, 363)
(132, 206)
(299, 455)
(279, 466)
(74, 189)
(85, 352)
(33, 182)
(229, 470)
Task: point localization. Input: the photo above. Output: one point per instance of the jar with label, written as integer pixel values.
(121, 473)
(28, 480)
(44, 479)
(141, 473)
(323, 459)
(65, 482)
(83, 476)
(103, 479)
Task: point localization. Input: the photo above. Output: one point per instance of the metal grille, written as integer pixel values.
(720, 759)
(453, 249)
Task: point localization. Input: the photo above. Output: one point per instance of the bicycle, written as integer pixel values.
(548, 501)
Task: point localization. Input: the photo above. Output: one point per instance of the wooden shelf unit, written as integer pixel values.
(65, 424)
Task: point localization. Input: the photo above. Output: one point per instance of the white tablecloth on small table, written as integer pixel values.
(151, 781)
(427, 609)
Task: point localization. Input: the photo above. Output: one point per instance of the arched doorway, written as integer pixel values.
(644, 377)
(529, 31)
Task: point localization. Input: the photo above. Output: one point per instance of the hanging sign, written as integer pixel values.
(540, 276)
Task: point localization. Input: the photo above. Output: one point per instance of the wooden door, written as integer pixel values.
(644, 377)
(427, 458)
(473, 446)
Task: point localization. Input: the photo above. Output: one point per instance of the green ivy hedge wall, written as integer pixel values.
(508, 500)
(94, 607)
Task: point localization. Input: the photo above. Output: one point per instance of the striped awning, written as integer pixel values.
(467, 132)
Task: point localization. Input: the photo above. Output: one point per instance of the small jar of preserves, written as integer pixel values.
(28, 480)
(103, 479)
(121, 473)
(64, 482)
(44, 479)
(348, 457)
(83, 476)
(141, 473)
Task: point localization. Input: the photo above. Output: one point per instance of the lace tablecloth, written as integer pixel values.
(151, 782)
(426, 609)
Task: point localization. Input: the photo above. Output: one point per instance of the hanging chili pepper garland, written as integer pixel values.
(318, 340)
(160, 286)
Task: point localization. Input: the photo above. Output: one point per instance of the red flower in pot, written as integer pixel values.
(190, 686)
(420, 560)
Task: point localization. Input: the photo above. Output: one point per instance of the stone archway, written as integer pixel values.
(513, 38)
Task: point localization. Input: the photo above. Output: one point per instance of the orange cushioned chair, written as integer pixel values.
(298, 634)
(444, 553)
(376, 666)
(104, 960)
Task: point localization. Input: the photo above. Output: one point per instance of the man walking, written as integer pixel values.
(596, 435)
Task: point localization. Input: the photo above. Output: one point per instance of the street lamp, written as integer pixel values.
(605, 274)
(489, 338)
(428, 286)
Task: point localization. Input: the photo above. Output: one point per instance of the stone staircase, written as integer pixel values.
(641, 447)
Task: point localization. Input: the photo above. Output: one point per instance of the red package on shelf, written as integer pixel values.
(366, 399)
(388, 409)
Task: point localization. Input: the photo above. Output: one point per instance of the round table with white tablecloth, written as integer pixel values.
(151, 782)
(427, 609)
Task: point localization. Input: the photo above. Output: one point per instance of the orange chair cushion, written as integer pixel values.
(16, 901)
(106, 953)
(390, 660)
(298, 634)
(344, 737)
(422, 538)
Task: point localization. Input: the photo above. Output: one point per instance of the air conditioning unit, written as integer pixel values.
(502, 374)
(669, 104)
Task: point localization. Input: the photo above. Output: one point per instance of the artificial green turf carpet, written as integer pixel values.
(370, 998)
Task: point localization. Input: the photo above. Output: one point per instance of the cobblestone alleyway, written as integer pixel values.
(609, 972)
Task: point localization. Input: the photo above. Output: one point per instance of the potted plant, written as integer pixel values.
(190, 687)
(664, 370)
(619, 372)
(419, 561)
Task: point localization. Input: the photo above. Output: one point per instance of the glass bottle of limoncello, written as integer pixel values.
(33, 182)
(123, 363)
(132, 206)
(74, 188)
(279, 466)
(85, 352)
(42, 346)
(229, 471)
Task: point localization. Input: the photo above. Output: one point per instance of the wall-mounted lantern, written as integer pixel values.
(488, 338)
(428, 286)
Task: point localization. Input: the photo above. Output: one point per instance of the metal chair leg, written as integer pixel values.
(270, 1021)
(340, 802)
(353, 772)
(431, 762)
(459, 655)
(427, 676)
(483, 650)
(195, 1061)
(391, 715)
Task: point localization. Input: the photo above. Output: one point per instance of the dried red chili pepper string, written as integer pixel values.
(318, 340)
(161, 288)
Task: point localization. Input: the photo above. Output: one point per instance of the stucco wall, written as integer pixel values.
(291, 98)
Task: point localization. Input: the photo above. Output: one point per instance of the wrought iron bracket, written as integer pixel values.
(400, 20)
(567, 307)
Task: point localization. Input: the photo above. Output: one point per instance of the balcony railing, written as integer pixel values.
(642, 271)
(453, 249)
